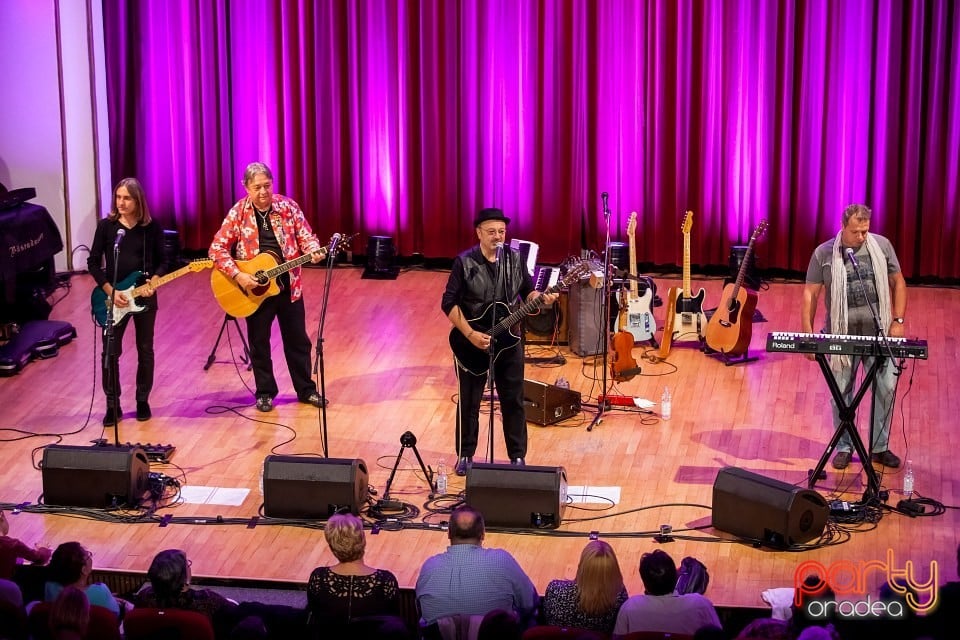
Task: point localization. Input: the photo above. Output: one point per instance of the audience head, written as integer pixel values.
(599, 580)
(766, 629)
(344, 534)
(819, 633)
(466, 526)
(710, 632)
(4, 525)
(69, 614)
(658, 573)
(815, 589)
(500, 624)
(70, 564)
(169, 575)
(692, 576)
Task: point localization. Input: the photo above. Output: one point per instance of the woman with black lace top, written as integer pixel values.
(341, 594)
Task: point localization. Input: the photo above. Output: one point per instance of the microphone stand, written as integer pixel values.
(884, 342)
(603, 405)
(318, 364)
(492, 350)
(110, 350)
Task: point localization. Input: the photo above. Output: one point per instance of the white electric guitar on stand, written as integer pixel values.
(639, 320)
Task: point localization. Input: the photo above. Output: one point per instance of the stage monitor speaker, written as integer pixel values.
(752, 506)
(513, 496)
(311, 488)
(546, 403)
(585, 324)
(96, 477)
(550, 325)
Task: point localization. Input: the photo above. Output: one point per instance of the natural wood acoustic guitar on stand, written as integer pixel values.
(685, 319)
(731, 326)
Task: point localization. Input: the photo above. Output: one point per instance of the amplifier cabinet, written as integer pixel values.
(546, 403)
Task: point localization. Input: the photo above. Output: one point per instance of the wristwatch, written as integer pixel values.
(898, 320)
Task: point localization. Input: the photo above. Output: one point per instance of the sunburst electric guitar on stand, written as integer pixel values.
(638, 320)
(731, 326)
(685, 319)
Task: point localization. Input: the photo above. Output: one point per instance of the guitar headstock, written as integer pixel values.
(759, 231)
(575, 272)
(687, 224)
(199, 265)
(632, 223)
(339, 241)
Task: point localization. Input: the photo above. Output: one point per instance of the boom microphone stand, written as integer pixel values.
(605, 315)
(110, 347)
(491, 350)
(318, 365)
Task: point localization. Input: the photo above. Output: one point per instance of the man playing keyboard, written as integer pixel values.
(833, 267)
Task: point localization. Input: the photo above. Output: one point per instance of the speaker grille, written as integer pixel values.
(95, 477)
(309, 488)
(522, 497)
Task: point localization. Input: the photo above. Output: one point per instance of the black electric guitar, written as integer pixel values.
(506, 332)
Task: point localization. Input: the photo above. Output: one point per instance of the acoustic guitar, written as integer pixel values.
(100, 302)
(265, 269)
(685, 318)
(506, 332)
(731, 326)
(638, 320)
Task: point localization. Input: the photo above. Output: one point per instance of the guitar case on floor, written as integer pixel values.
(37, 339)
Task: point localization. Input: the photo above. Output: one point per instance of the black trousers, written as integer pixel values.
(291, 318)
(143, 324)
(508, 378)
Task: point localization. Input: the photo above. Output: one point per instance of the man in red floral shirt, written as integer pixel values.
(267, 222)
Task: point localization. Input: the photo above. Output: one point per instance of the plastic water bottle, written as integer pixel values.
(908, 480)
(442, 477)
(666, 404)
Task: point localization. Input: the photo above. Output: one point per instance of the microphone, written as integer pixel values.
(120, 233)
(499, 251)
(853, 258)
(334, 241)
(606, 209)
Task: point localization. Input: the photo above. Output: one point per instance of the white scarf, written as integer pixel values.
(838, 291)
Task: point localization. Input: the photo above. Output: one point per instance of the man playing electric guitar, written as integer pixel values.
(485, 282)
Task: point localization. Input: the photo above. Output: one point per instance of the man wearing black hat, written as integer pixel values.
(484, 286)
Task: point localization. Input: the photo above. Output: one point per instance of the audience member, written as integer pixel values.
(815, 591)
(169, 587)
(70, 566)
(469, 579)
(500, 624)
(659, 608)
(766, 629)
(350, 589)
(593, 599)
(13, 550)
(944, 620)
(692, 576)
(69, 615)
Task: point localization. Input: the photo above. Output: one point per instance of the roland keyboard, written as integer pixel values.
(829, 343)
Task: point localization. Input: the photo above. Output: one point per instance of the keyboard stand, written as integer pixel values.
(848, 416)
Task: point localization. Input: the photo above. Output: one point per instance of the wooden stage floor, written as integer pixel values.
(389, 370)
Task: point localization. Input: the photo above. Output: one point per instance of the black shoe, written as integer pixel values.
(264, 403)
(315, 399)
(143, 411)
(110, 417)
(520, 462)
(886, 458)
(462, 465)
(842, 460)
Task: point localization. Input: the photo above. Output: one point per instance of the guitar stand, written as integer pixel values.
(244, 357)
(407, 441)
(848, 415)
(727, 360)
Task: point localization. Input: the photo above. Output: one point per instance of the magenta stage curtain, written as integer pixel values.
(402, 118)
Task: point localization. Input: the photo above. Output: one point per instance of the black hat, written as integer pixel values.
(489, 214)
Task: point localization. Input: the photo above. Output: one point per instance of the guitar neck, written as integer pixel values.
(296, 262)
(634, 290)
(686, 266)
(173, 275)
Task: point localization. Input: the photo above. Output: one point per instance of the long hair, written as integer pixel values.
(70, 612)
(135, 189)
(599, 580)
(168, 575)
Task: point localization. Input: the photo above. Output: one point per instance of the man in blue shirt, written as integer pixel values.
(470, 580)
